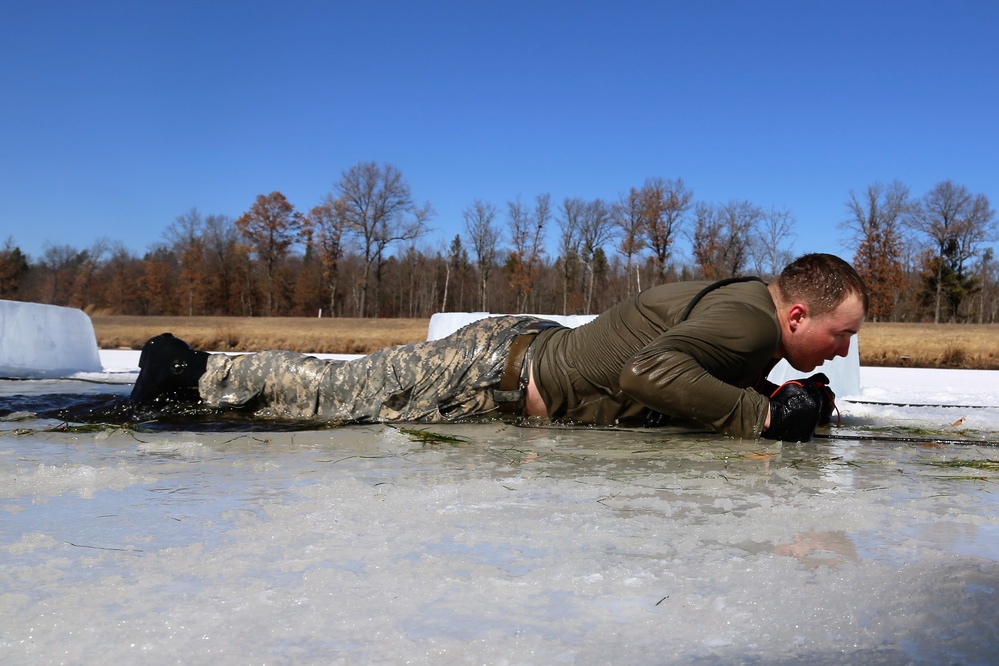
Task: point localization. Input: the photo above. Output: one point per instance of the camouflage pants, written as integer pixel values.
(456, 377)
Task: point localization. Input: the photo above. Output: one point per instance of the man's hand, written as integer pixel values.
(817, 385)
(795, 409)
(827, 399)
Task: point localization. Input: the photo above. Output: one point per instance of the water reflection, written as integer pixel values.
(814, 549)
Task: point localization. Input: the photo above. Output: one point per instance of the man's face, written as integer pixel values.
(812, 340)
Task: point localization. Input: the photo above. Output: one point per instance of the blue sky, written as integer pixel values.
(117, 117)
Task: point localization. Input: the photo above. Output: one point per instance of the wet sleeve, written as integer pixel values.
(696, 369)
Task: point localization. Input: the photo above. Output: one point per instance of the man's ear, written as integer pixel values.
(796, 314)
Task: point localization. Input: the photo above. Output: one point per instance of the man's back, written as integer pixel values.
(725, 344)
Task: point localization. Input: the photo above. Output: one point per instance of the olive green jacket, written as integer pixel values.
(638, 362)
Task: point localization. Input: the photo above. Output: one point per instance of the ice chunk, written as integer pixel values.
(443, 324)
(843, 372)
(45, 341)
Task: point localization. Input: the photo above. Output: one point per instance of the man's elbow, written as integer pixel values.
(632, 382)
(647, 386)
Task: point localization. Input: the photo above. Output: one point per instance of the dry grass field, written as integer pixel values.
(906, 345)
(304, 334)
(930, 345)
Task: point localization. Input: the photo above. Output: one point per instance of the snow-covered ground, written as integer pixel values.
(506, 544)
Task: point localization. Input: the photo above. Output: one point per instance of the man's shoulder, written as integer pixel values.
(685, 296)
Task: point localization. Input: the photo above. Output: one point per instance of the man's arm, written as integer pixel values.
(697, 369)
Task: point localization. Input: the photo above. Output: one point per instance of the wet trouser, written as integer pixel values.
(456, 377)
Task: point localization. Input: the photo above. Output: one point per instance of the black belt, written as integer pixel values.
(513, 371)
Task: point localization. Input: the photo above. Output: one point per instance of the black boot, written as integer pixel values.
(169, 368)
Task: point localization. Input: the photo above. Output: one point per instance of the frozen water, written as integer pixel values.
(45, 341)
(504, 544)
(518, 545)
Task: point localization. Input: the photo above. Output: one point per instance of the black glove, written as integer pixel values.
(818, 385)
(827, 399)
(794, 411)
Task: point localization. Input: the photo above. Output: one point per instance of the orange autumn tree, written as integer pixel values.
(272, 226)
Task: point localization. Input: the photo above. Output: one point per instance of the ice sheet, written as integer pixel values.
(517, 545)
(513, 545)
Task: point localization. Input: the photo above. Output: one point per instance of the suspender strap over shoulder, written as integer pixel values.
(711, 287)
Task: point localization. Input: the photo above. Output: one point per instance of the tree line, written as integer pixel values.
(364, 250)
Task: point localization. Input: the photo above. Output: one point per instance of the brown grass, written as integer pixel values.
(895, 345)
(304, 334)
(930, 345)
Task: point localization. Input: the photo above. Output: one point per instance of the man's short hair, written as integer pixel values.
(822, 282)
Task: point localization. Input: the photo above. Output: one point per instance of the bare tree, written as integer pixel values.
(222, 256)
(631, 223)
(86, 270)
(328, 223)
(541, 218)
(957, 223)
(595, 231)
(412, 281)
(456, 263)
(380, 212)
(185, 237)
(527, 230)
(479, 223)
(741, 220)
(58, 267)
(706, 240)
(517, 262)
(722, 237)
(988, 299)
(569, 222)
(664, 203)
(875, 223)
(771, 245)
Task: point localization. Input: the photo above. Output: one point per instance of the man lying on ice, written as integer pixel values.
(692, 350)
